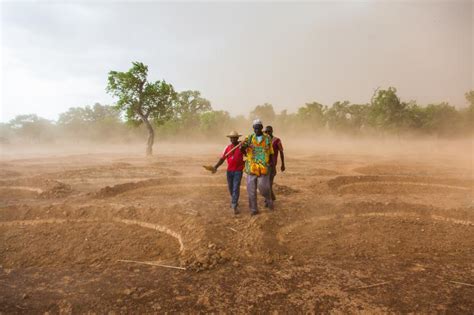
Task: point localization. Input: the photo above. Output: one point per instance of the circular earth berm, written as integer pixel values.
(92, 244)
(398, 185)
(375, 237)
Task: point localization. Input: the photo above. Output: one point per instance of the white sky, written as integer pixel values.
(55, 55)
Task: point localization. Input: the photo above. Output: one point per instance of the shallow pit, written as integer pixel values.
(398, 185)
(383, 236)
(66, 243)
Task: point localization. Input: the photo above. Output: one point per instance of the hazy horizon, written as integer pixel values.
(57, 55)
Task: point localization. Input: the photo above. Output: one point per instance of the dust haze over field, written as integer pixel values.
(107, 208)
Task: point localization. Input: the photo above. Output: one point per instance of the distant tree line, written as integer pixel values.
(144, 108)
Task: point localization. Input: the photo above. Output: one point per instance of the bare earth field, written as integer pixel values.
(353, 231)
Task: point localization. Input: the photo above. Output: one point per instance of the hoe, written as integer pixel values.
(210, 168)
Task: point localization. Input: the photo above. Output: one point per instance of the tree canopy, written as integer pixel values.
(142, 101)
(188, 114)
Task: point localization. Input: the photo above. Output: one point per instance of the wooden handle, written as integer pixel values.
(233, 149)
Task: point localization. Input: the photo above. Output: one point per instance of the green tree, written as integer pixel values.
(106, 122)
(189, 106)
(98, 122)
(470, 97)
(344, 117)
(311, 115)
(338, 116)
(387, 111)
(214, 122)
(358, 116)
(283, 121)
(468, 113)
(5, 133)
(265, 112)
(415, 117)
(142, 101)
(100, 112)
(442, 119)
(32, 127)
(75, 116)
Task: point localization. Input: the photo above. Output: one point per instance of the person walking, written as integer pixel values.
(258, 149)
(277, 148)
(235, 166)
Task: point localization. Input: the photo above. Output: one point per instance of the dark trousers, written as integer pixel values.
(273, 173)
(233, 182)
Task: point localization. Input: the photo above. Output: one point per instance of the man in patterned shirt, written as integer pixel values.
(259, 150)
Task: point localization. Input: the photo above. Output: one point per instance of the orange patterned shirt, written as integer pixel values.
(258, 154)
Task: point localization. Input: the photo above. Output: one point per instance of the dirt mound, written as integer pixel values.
(58, 190)
(416, 169)
(283, 189)
(81, 244)
(35, 187)
(207, 259)
(175, 184)
(111, 191)
(397, 184)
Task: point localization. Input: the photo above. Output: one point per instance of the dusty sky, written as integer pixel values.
(57, 55)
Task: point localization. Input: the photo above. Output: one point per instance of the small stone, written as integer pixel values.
(211, 246)
(291, 258)
(24, 296)
(128, 291)
(236, 263)
(224, 255)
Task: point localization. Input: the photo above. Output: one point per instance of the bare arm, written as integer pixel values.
(282, 156)
(219, 163)
(244, 146)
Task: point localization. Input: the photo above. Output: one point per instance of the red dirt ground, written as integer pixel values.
(351, 233)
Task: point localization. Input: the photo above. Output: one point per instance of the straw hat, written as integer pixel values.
(233, 134)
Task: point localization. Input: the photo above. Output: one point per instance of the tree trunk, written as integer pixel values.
(151, 137)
